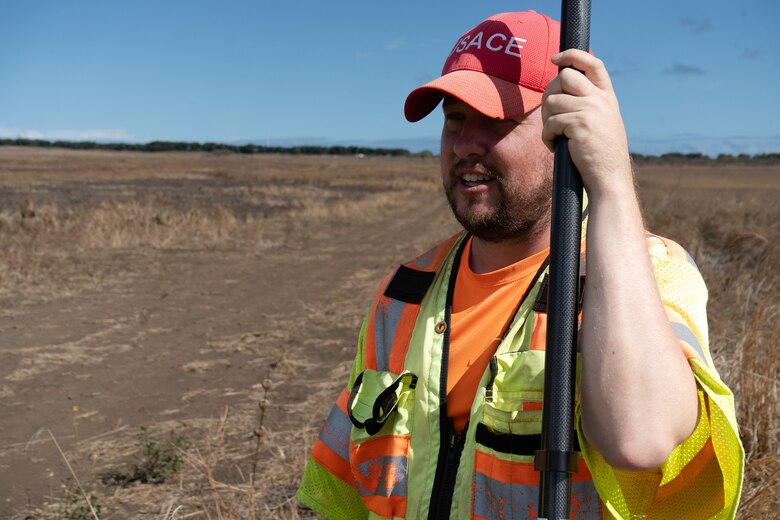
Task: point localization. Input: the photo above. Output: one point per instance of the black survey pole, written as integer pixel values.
(556, 461)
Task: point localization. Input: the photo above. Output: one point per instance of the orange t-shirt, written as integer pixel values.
(482, 307)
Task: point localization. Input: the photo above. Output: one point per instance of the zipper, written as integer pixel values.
(493, 373)
(441, 502)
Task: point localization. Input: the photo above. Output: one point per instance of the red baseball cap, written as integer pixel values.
(500, 68)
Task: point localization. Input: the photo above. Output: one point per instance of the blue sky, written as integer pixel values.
(690, 76)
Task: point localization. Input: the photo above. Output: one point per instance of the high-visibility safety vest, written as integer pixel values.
(388, 450)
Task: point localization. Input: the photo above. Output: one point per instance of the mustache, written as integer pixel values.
(475, 166)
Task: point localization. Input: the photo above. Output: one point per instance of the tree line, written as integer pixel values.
(184, 146)
(700, 158)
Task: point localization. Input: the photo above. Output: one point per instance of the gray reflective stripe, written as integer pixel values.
(386, 475)
(335, 434)
(424, 259)
(496, 500)
(684, 333)
(585, 502)
(388, 313)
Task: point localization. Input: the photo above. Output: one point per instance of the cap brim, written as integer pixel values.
(494, 97)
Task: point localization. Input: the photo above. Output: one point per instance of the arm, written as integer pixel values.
(639, 398)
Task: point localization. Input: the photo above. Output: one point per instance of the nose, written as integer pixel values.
(470, 141)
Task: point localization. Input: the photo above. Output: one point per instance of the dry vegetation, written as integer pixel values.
(308, 237)
(730, 222)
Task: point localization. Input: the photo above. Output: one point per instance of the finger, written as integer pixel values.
(563, 103)
(591, 66)
(554, 126)
(569, 81)
(576, 84)
(570, 124)
(554, 87)
(548, 141)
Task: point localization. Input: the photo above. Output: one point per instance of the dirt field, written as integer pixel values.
(160, 291)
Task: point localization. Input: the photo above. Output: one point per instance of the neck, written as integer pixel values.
(486, 257)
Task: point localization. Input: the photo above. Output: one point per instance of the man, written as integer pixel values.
(442, 412)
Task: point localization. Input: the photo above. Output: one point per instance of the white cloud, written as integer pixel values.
(684, 71)
(394, 44)
(103, 134)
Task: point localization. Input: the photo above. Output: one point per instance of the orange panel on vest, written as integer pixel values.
(380, 470)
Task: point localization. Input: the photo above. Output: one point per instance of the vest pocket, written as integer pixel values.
(380, 408)
(514, 393)
(505, 484)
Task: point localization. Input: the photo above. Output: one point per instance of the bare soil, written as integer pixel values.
(161, 290)
(99, 338)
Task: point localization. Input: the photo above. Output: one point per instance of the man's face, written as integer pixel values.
(497, 174)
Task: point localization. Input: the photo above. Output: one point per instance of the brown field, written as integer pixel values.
(161, 291)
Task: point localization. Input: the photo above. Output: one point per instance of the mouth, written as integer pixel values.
(474, 182)
(473, 179)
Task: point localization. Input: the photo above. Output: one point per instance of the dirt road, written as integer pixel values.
(173, 335)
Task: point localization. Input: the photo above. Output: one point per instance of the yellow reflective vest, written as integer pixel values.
(388, 449)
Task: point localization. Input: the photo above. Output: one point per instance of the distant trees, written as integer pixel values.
(699, 158)
(181, 146)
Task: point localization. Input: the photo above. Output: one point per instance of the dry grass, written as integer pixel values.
(59, 250)
(246, 462)
(730, 222)
(122, 225)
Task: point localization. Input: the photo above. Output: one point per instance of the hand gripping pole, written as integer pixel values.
(556, 461)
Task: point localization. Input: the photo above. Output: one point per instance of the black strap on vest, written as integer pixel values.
(383, 405)
(409, 285)
(513, 443)
(556, 460)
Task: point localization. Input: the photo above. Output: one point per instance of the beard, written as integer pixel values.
(521, 211)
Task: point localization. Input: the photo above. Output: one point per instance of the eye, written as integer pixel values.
(453, 119)
(454, 115)
(501, 126)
